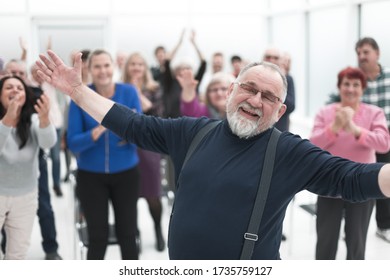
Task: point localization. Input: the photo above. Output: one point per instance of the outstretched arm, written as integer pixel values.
(200, 55)
(68, 80)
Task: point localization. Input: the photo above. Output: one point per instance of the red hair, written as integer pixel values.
(352, 73)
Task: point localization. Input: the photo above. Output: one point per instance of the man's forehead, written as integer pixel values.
(260, 71)
(263, 75)
(365, 47)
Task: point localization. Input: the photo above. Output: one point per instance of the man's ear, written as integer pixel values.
(282, 110)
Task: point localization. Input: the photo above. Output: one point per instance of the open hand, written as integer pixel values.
(186, 79)
(54, 71)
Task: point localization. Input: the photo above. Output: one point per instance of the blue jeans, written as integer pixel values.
(45, 211)
(55, 152)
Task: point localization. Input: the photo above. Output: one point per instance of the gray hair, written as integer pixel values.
(269, 66)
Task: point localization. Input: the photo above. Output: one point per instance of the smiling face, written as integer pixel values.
(217, 90)
(216, 95)
(101, 68)
(250, 112)
(367, 57)
(12, 88)
(351, 92)
(135, 67)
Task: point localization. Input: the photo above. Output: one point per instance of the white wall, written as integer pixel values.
(376, 23)
(134, 26)
(319, 34)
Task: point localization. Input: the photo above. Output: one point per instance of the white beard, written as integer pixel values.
(243, 127)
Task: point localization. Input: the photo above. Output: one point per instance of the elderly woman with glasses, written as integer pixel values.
(352, 130)
(216, 94)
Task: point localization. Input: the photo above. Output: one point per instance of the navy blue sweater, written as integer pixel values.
(218, 185)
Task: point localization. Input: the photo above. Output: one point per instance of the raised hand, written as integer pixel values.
(23, 46)
(186, 79)
(49, 43)
(188, 85)
(54, 71)
(68, 80)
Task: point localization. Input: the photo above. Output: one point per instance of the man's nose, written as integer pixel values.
(256, 99)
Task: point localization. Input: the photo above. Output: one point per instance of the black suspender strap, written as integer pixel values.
(198, 137)
(250, 237)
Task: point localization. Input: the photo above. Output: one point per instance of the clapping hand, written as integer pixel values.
(344, 120)
(12, 114)
(42, 108)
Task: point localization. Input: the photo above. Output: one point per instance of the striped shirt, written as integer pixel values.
(378, 92)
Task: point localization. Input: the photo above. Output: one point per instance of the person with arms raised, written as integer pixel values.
(217, 187)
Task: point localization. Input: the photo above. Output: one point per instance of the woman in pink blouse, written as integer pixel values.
(353, 130)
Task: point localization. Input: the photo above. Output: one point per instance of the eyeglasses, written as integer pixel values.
(266, 96)
(220, 89)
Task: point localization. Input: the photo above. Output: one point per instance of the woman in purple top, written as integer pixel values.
(137, 73)
(353, 130)
(215, 97)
